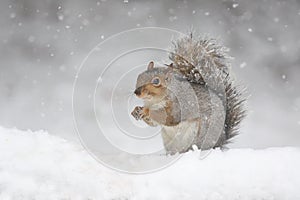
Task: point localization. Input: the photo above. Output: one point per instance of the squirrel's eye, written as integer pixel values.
(155, 81)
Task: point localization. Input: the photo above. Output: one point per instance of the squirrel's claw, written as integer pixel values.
(137, 113)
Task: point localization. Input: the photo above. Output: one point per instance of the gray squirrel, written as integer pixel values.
(193, 99)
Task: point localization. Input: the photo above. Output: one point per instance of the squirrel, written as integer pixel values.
(193, 99)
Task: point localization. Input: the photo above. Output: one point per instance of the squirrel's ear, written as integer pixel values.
(150, 65)
(168, 76)
(170, 66)
(169, 72)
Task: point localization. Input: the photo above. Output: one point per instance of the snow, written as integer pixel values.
(243, 65)
(36, 165)
(235, 5)
(207, 13)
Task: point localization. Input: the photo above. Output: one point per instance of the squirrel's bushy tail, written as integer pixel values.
(234, 110)
(204, 61)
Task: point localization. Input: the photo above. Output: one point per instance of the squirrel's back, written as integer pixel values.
(205, 63)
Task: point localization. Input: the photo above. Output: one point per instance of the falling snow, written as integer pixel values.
(235, 5)
(243, 65)
(44, 43)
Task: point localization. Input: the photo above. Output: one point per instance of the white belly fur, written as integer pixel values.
(181, 137)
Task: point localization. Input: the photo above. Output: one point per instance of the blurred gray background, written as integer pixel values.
(43, 43)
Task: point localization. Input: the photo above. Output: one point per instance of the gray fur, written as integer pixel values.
(207, 108)
(204, 62)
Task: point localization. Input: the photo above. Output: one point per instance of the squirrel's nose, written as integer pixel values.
(137, 91)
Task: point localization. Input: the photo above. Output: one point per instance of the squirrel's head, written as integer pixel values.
(152, 84)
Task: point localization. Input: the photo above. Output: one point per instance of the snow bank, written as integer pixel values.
(36, 165)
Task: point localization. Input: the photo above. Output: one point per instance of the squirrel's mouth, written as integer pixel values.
(145, 97)
(140, 93)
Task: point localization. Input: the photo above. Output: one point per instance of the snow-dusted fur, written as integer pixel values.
(205, 62)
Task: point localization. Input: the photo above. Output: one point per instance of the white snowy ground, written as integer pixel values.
(36, 165)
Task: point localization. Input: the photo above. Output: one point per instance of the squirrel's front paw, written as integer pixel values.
(137, 113)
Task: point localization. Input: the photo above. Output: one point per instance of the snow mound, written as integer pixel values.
(36, 165)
